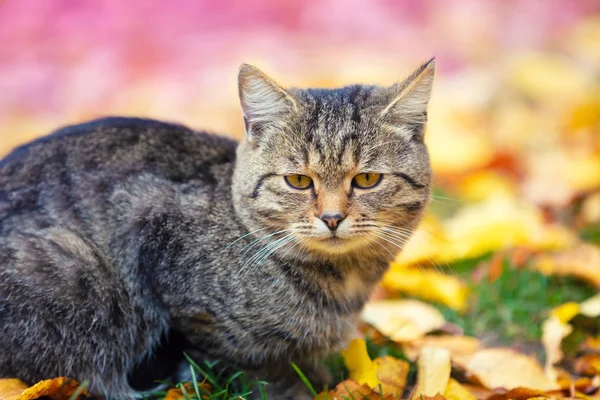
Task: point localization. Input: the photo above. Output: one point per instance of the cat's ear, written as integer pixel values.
(407, 102)
(263, 101)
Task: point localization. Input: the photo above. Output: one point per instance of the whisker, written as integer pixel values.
(243, 236)
(253, 243)
(265, 250)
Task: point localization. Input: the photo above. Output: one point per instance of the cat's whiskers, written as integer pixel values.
(250, 245)
(267, 250)
(243, 236)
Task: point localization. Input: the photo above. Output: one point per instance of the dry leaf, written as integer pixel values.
(55, 389)
(554, 330)
(402, 320)
(582, 261)
(433, 372)
(177, 393)
(588, 364)
(507, 369)
(455, 391)
(591, 307)
(360, 367)
(11, 389)
(392, 374)
(458, 346)
(350, 389)
(518, 394)
(385, 373)
(426, 284)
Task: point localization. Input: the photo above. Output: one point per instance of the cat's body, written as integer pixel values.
(126, 238)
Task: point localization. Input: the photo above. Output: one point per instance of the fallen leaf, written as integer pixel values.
(582, 261)
(402, 320)
(588, 364)
(554, 330)
(505, 368)
(591, 307)
(11, 389)
(433, 372)
(458, 346)
(350, 389)
(518, 394)
(55, 389)
(178, 393)
(387, 373)
(591, 344)
(427, 284)
(360, 367)
(455, 391)
(392, 374)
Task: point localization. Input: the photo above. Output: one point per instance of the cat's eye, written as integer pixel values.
(298, 181)
(366, 180)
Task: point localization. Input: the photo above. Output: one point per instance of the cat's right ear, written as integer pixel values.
(263, 101)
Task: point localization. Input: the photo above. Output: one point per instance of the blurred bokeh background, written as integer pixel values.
(514, 128)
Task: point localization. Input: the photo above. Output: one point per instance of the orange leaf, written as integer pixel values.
(56, 389)
(11, 389)
(350, 389)
(588, 364)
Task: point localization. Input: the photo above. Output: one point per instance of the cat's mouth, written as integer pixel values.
(334, 244)
(335, 241)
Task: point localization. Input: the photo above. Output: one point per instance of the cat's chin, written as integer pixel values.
(335, 245)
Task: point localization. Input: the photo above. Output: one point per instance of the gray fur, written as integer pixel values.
(124, 242)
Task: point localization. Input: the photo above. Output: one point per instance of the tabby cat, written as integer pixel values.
(125, 242)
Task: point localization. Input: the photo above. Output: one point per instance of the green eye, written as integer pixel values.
(298, 181)
(366, 180)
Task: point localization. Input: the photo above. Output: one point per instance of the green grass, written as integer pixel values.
(225, 385)
(514, 306)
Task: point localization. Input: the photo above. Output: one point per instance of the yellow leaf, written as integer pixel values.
(11, 389)
(482, 185)
(455, 391)
(402, 320)
(392, 374)
(458, 346)
(433, 372)
(387, 374)
(582, 261)
(360, 366)
(565, 312)
(497, 223)
(505, 368)
(428, 285)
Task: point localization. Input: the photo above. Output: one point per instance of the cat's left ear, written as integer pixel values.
(263, 101)
(407, 101)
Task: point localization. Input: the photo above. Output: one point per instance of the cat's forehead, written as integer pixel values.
(335, 134)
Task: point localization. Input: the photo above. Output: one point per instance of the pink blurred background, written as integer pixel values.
(63, 61)
(509, 71)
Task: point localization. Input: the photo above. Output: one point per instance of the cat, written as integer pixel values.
(125, 242)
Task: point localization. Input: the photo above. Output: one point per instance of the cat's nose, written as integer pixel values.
(332, 220)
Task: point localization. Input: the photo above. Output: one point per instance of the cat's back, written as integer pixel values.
(67, 177)
(116, 144)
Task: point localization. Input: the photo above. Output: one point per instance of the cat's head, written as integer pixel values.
(332, 171)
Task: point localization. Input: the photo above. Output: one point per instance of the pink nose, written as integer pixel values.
(332, 220)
